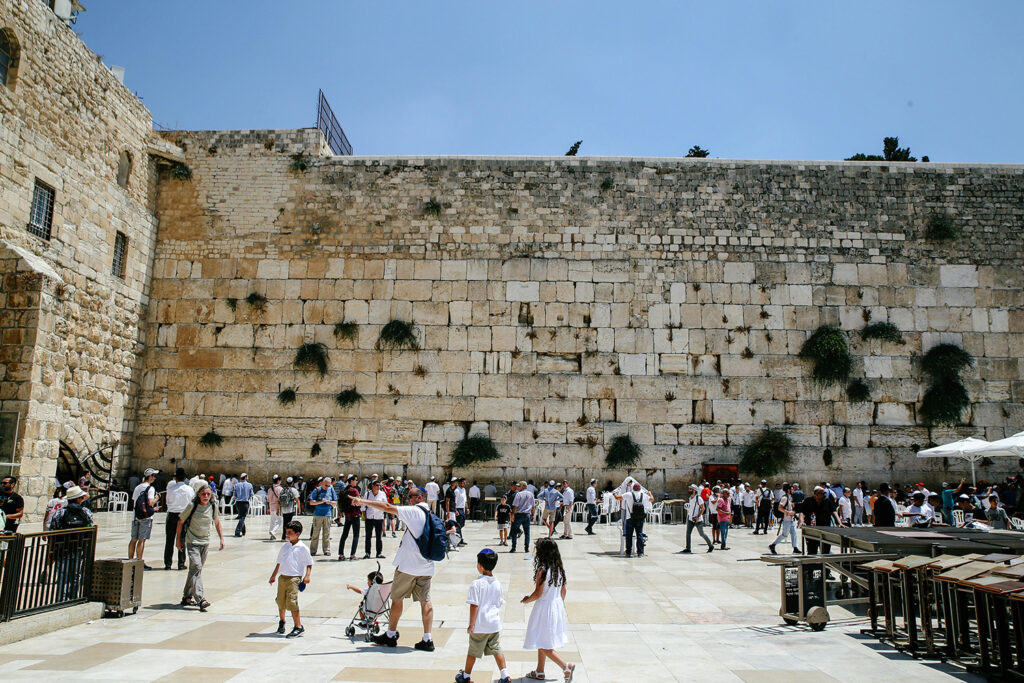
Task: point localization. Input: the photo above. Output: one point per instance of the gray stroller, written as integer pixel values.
(374, 608)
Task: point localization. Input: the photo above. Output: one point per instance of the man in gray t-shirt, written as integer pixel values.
(195, 522)
(523, 508)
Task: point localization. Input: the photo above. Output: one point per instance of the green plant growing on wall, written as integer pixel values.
(432, 207)
(286, 397)
(257, 301)
(345, 330)
(607, 184)
(826, 457)
(397, 335)
(946, 399)
(623, 452)
(211, 439)
(941, 228)
(768, 454)
(180, 171)
(574, 149)
(473, 450)
(831, 356)
(858, 391)
(299, 163)
(348, 397)
(311, 356)
(884, 331)
(314, 450)
(232, 303)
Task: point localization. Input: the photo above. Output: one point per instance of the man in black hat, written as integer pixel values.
(179, 495)
(884, 509)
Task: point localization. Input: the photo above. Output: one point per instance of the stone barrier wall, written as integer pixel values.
(560, 302)
(71, 330)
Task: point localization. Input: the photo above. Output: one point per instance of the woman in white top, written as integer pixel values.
(546, 629)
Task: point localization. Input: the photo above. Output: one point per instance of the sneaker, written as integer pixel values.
(296, 632)
(380, 557)
(629, 554)
(383, 639)
(280, 628)
(394, 535)
(352, 558)
(147, 568)
(685, 551)
(272, 537)
(167, 567)
(204, 605)
(327, 553)
(367, 555)
(462, 677)
(771, 549)
(425, 645)
(711, 548)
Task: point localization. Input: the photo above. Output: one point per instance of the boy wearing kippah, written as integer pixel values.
(485, 601)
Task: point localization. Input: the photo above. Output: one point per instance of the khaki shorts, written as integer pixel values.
(288, 593)
(484, 644)
(404, 585)
(549, 514)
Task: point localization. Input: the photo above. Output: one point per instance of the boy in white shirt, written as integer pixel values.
(292, 561)
(485, 601)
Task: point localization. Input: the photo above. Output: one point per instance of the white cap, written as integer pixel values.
(289, 480)
(431, 479)
(551, 483)
(593, 481)
(373, 475)
(455, 478)
(150, 472)
(243, 475)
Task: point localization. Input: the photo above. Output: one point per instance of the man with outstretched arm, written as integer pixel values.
(413, 571)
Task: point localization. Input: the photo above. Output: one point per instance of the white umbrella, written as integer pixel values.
(969, 449)
(1011, 446)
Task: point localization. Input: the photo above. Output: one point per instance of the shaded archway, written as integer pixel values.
(69, 468)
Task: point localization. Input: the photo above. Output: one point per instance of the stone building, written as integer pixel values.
(556, 302)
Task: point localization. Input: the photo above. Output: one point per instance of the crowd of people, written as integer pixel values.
(379, 506)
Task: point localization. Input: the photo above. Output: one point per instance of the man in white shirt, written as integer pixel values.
(474, 499)
(179, 495)
(531, 488)
(591, 506)
(846, 507)
(413, 572)
(748, 498)
(227, 489)
(763, 500)
(858, 504)
(374, 520)
(460, 504)
(920, 513)
(568, 498)
(274, 507)
(142, 522)
(432, 490)
(694, 517)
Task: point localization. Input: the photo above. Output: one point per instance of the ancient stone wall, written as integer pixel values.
(560, 302)
(67, 122)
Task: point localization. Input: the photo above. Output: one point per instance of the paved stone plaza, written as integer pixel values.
(665, 617)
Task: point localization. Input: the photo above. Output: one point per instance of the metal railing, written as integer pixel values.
(45, 571)
(326, 122)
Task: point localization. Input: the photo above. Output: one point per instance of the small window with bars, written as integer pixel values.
(120, 255)
(40, 222)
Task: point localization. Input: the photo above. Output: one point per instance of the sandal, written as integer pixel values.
(535, 676)
(569, 671)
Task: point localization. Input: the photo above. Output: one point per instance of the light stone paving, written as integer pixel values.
(665, 617)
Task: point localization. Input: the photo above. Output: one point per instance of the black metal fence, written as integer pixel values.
(326, 122)
(45, 571)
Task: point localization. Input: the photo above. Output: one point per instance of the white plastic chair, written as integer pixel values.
(657, 513)
(118, 501)
(958, 516)
(538, 512)
(579, 511)
(257, 506)
(1017, 523)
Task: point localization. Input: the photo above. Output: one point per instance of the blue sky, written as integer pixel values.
(752, 80)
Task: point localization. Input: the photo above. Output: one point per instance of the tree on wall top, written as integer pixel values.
(891, 151)
(575, 148)
(698, 152)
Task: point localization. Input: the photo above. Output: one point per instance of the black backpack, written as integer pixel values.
(637, 513)
(74, 517)
(143, 510)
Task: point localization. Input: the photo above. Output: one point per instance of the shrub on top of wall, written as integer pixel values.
(623, 453)
(472, 450)
(768, 454)
(827, 348)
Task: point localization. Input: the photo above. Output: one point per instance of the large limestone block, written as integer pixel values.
(375, 453)
(399, 430)
(894, 414)
(522, 291)
(958, 276)
(507, 409)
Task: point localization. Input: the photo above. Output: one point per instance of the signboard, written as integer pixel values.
(8, 437)
(791, 585)
(814, 585)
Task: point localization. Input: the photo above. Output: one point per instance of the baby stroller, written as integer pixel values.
(374, 608)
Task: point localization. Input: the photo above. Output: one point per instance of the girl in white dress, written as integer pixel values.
(546, 629)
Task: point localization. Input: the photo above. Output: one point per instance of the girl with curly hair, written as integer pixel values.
(546, 630)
